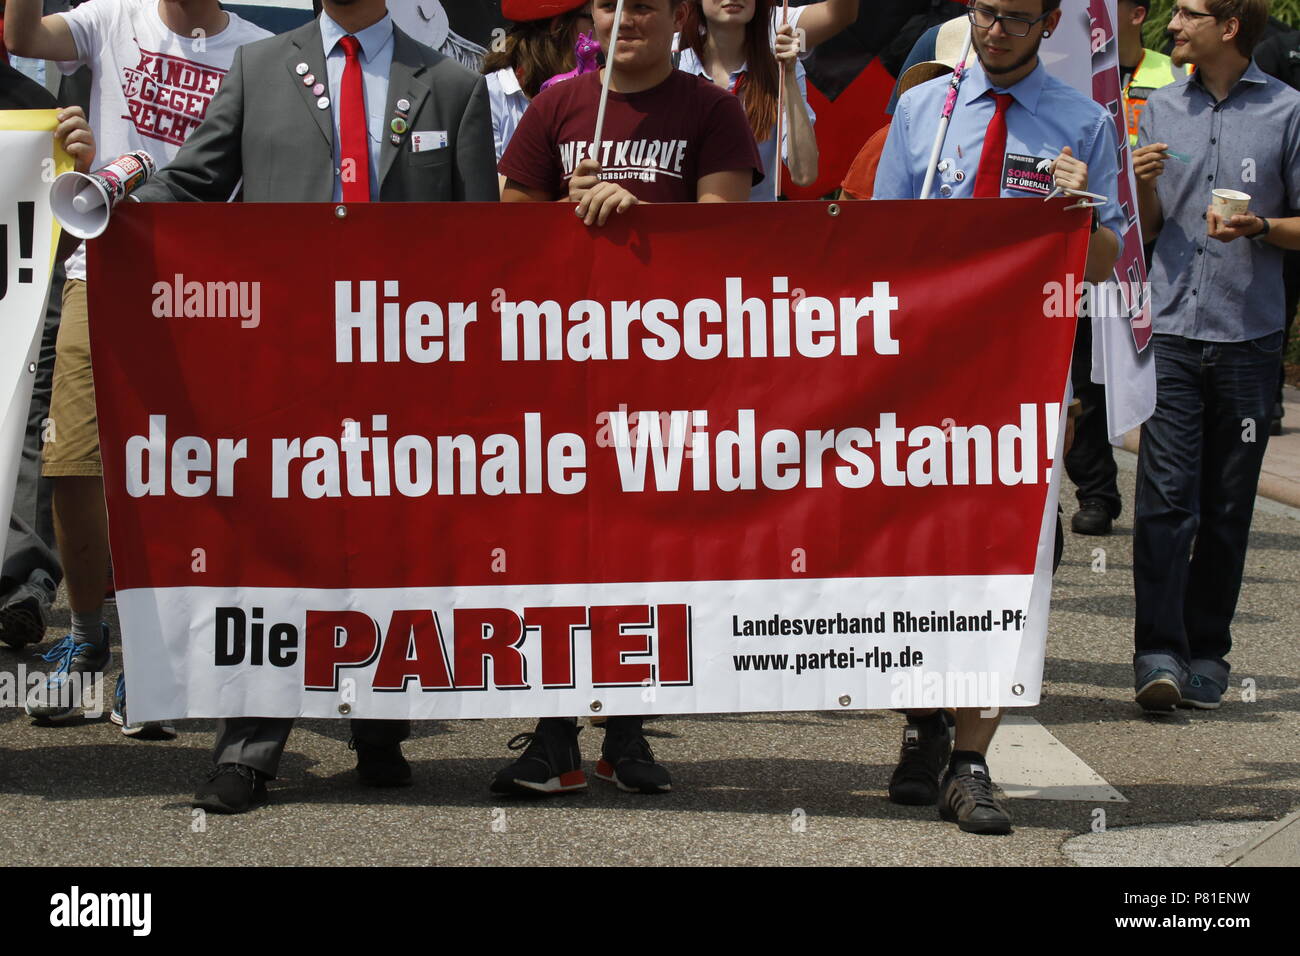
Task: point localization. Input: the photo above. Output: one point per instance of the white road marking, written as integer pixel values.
(1027, 761)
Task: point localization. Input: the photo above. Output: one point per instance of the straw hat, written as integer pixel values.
(947, 50)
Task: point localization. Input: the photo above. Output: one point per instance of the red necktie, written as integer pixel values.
(988, 179)
(354, 148)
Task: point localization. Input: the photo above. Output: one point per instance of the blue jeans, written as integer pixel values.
(1197, 472)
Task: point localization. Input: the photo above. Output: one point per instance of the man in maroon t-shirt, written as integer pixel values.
(669, 136)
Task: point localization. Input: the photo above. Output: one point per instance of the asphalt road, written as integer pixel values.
(797, 788)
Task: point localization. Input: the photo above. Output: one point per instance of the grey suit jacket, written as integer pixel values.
(264, 127)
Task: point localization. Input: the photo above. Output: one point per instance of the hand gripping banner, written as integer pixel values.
(482, 461)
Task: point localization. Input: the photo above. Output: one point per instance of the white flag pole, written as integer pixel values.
(949, 102)
(780, 108)
(604, 86)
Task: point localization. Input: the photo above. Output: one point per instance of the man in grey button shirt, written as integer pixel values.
(1217, 303)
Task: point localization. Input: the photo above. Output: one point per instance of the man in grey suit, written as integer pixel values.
(275, 124)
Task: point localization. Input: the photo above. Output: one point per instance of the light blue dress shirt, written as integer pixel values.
(1202, 288)
(1044, 116)
(376, 59)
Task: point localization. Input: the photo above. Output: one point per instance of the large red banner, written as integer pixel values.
(484, 448)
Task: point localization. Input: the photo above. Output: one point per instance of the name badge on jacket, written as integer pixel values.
(426, 140)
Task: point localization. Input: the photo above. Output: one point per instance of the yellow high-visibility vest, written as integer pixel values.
(1154, 70)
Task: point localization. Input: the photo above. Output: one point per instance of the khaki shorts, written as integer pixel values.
(71, 446)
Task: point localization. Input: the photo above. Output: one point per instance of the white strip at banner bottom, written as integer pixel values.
(672, 648)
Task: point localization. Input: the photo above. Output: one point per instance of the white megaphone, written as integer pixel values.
(82, 202)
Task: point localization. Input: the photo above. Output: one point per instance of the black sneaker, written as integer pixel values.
(968, 801)
(381, 765)
(1093, 517)
(231, 788)
(22, 619)
(915, 782)
(627, 760)
(551, 763)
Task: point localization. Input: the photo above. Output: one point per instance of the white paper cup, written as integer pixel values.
(1229, 202)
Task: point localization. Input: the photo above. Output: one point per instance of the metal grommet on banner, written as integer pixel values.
(31, 367)
(1018, 689)
(845, 700)
(833, 209)
(596, 705)
(345, 709)
(341, 212)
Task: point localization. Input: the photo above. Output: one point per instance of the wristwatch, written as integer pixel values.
(1259, 236)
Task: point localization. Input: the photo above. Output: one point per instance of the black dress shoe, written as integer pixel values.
(231, 788)
(1091, 518)
(381, 765)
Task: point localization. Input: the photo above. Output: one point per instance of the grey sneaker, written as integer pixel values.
(77, 668)
(149, 730)
(968, 801)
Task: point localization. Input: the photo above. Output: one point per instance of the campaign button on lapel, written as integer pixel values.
(323, 103)
(301, 69)
(398, 125)
(309, 79)
(318, 89)
(403, 104)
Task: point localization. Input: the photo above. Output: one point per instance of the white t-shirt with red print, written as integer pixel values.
(151, 86)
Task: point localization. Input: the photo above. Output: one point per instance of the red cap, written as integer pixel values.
(521, 10)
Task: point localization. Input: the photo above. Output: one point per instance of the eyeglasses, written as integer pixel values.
(1011, 26)
(1191, 16)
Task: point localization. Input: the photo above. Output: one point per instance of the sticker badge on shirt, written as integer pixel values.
(421, 141)
(1032, 174)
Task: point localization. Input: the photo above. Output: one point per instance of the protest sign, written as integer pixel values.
(399, 459)
(28, 236)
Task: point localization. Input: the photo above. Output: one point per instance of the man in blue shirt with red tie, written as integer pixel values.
(1011, 122)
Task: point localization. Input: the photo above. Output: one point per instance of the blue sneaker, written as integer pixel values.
(1158, 690)
(149, 730)
(1201, 692)
(77, 668)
